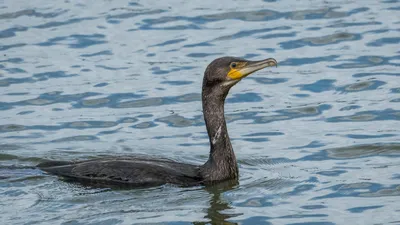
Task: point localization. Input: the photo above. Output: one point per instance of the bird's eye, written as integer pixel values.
(233, 65)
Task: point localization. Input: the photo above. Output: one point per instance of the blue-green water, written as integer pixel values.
(317, 139)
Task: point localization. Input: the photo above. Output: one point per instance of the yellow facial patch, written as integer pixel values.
(235, 73)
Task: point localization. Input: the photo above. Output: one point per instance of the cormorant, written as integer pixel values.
(220, 75)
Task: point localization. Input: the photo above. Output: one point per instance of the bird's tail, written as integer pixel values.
(52, 164)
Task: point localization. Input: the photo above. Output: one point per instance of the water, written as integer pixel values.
(317, 138)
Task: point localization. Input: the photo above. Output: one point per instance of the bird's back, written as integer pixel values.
(125, 171)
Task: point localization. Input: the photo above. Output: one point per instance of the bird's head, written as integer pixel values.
(223, 73)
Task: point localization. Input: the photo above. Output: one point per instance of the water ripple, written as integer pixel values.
(31, 13)
(11, 32)
(67, 22)
(76, 40)
(322, 40)
(388, 149)
(373, 115)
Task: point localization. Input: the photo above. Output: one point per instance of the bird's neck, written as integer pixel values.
(221, 164)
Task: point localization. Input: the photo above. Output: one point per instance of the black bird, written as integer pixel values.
(220, 75)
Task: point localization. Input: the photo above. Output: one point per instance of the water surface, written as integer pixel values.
(317, 138)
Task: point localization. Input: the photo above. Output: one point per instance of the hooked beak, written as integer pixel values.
(251, 67)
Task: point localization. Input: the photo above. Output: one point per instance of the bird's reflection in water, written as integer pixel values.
(215, 214)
